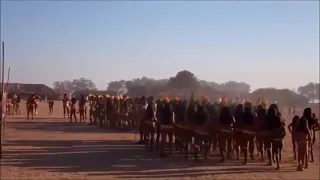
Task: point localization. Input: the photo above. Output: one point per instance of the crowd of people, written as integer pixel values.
(198, 125)
(206, 126)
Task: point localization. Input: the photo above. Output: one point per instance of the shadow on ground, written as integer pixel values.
(60, 126)
(116, 158)
(25, 117)
(119, 158)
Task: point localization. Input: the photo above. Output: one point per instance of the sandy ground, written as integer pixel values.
(51, 148)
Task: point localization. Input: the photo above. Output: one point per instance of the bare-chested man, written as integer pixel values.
(37, 100)
(50, 103)
(73, 109)
(82, 108)
(65, 104)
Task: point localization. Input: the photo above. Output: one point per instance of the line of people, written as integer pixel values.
(70, 107)
(205, 126)
(13, 105)
(230, 127)
(32, 103)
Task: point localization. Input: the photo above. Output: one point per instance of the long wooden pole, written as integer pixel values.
(8, 78)
(6, 94)
(2, 100)
(2, 74)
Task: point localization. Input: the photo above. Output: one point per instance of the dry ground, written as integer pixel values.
(51, 148)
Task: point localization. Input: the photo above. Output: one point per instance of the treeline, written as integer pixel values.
(186, 82)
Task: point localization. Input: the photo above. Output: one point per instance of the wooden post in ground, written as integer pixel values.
(3, 101)
(3, 104)
(5, 95)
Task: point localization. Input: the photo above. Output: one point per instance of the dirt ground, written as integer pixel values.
(51, 148)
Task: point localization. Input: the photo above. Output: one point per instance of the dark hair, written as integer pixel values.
(248, 115)
(200, 108)
(261, 112)
(295, 119)
(225, 113)
(272, 112)
(150, 98)
(239, 109)
(307, 113)
(275, 106)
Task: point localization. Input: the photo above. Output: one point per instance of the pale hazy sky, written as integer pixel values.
(269, 43)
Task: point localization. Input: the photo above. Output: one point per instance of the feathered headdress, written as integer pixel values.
(223, 100)
(247, 102)
(218, 100)
(165, 99)
(204, 99)
(263, 101)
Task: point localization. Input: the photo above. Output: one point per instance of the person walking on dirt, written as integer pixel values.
(73, 109)
(65, 104)
(50, 103)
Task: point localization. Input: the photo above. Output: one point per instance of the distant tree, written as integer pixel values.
(203, 83)
(230, 86)
(184, 80)
(215, 86)
(233, 86)
(83, 83)
(116, 85)
(310, 91)
(70, 86)
(147, 85)
(284, 97)
(318, 91)
(137, 90)
(59, 85)
(244, 87)
(75, 84)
